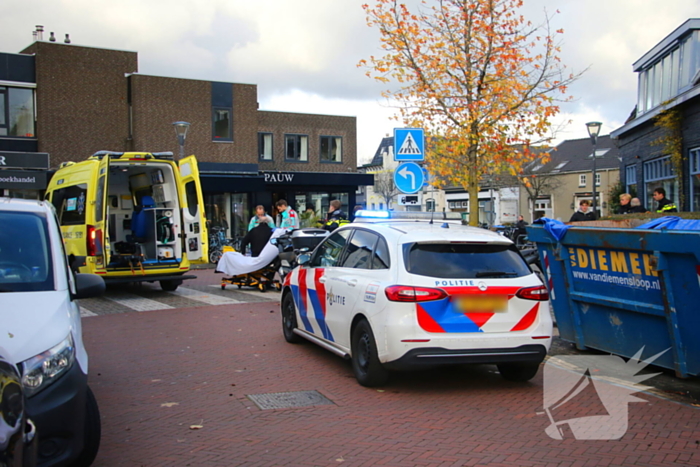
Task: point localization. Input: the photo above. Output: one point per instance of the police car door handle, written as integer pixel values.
(322, 279)
(352, 282)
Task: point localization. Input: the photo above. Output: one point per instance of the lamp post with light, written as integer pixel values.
(181, 132)
(593, 131)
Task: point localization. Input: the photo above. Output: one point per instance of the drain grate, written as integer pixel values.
(287, 400)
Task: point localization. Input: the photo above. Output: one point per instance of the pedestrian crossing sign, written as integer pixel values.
(409, 144)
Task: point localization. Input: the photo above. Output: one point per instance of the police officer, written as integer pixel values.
(663, 204)
(336, 216)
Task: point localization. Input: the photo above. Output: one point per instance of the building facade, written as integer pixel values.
(668, 89)
(68, 102)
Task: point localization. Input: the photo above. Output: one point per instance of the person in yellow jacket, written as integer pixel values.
(336, 216)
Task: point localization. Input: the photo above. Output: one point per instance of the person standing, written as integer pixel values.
(260, 217)
(336, 216)
(663, 204)
(520, 230)
(625, 206)
(288, 218)
(583, 214)
(636, 206)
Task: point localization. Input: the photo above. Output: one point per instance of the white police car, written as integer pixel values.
(400, 294)
(41, 334)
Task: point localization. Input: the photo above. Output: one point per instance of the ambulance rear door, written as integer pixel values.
(192, 203)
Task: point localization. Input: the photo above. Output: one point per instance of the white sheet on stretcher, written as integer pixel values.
(233, 263)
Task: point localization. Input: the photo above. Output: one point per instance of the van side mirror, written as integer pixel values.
(88, 286)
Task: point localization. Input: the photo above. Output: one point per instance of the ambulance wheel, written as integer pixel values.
(368, 370)
(170, 286)
(518, 372)
(92, 432)
(289, 320)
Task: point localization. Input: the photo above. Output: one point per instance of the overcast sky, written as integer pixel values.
(302, 54)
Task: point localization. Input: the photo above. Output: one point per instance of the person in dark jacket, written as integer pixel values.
(336, 216)
(663, 204)
(636, 206)
(583, 214)
(625, 206)
(257, 238)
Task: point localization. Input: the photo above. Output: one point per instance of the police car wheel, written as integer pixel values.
(518, 372)
(289, 320)
(368, 370)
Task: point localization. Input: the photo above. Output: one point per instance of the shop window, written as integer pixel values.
(296, 148)
(17, 112)
(659, 173)
(222, 124)
(265, 146)
(694, 179)
(331, 149)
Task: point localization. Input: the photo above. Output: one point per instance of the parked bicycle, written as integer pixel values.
(217, 242)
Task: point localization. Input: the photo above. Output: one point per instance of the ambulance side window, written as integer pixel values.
(191, 193)
(70, 203)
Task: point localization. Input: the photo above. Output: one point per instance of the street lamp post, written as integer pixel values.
(593, 131)
(181, 132)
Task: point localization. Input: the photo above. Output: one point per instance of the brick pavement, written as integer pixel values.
(156, 374)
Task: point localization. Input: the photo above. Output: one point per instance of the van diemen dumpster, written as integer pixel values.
(618, 290)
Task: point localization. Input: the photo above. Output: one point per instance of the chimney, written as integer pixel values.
(34, 35)
(67, 40)
(39, 32)
(52, 38)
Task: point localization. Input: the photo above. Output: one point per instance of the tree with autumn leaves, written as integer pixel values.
(479, 79)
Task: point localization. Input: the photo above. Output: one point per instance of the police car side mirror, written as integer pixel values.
(303, 259)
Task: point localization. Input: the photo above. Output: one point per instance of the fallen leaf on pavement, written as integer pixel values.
(169, 404)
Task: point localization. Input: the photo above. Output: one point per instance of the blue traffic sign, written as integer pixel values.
(409, 177)
(409, 144)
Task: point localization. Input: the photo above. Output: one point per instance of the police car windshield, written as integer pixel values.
(464, 260)
(25, 259)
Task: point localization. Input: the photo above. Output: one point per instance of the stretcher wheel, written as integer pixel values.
(239, 286)
(223, 286)
(278, 286)
(261, 287)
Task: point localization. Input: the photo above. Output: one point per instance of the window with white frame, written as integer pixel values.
(17, 112)
(597, 179)
(265, 146)
(694, 157)
(659, 173)
(582, 180)
(631, 179)
(296, 148)
(331, 149)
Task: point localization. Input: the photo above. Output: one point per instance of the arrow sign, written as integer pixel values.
(409, 177)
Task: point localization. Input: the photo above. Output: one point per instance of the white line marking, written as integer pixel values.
(137, 303)
(204, 297)
(85, 313)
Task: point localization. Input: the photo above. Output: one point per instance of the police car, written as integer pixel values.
(396, 294)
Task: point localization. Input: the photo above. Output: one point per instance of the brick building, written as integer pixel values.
(70, 101)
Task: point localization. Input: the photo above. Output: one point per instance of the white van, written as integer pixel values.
(41, 333)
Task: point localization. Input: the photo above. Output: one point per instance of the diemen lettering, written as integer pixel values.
(629, 262)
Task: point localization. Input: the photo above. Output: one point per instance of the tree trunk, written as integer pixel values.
(473, 187)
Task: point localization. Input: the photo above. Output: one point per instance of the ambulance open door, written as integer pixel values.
(98, 235)
(194, 221)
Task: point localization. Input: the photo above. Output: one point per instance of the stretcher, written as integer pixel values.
(258, 272)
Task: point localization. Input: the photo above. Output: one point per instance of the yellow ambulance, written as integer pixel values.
(132, 216)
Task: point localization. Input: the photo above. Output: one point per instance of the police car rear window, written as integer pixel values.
(464, 260)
